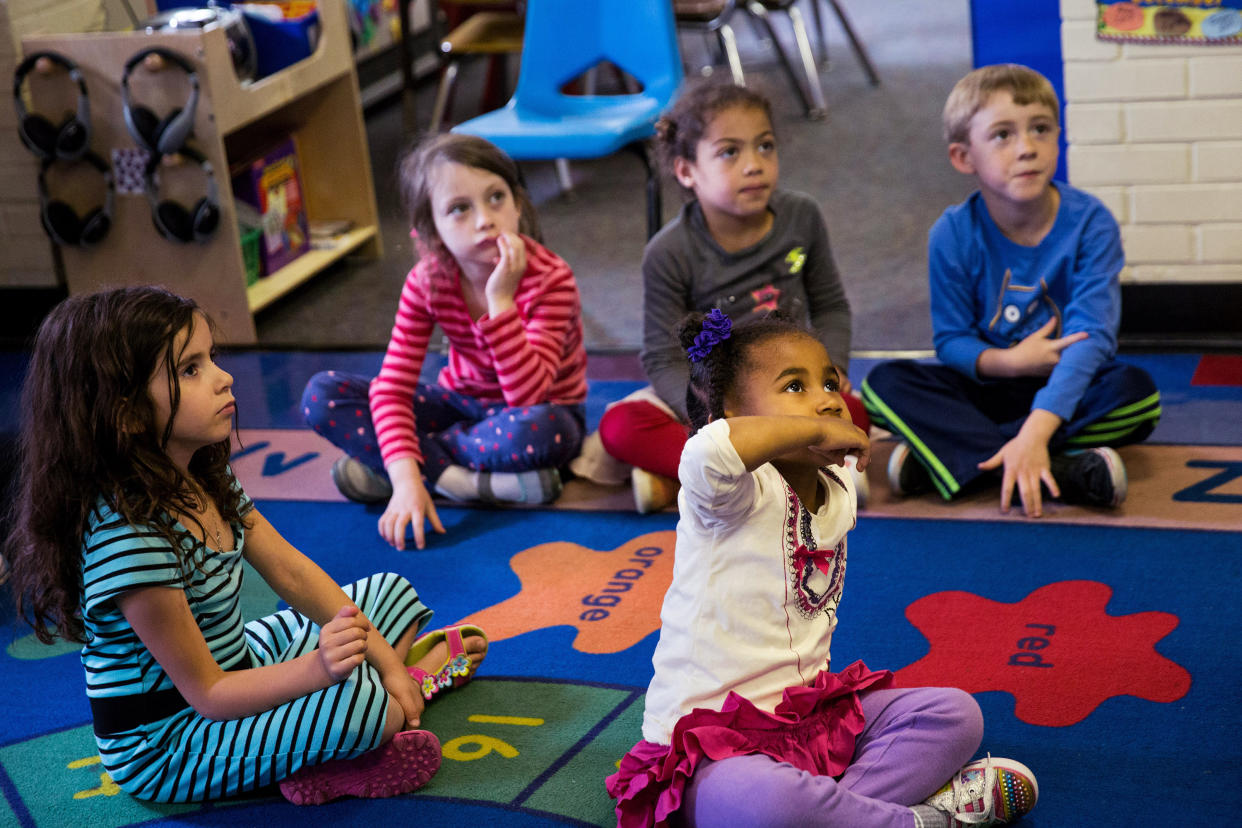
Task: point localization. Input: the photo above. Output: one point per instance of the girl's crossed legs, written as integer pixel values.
(453, 429)
(913, 741)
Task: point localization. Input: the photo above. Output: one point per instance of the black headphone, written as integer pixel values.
(61, 222)
(70, 139)
(174, 220)
(159, 136)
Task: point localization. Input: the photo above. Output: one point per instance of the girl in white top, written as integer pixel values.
(744, 723)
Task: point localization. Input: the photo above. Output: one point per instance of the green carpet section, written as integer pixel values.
(539, 745)
(577, 790)
(528, 744)
(61, 782)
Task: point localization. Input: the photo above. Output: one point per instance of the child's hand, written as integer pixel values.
(1026, 463)
(343, 643)
(841, 437)
(409, 506)
(503, 282)
(401, 686)
(1038, 353)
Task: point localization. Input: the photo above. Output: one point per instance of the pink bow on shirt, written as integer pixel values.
(822, 558)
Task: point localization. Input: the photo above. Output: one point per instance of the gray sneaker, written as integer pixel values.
(359, 482)
(1091, 477)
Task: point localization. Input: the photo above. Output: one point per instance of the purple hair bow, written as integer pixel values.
(716, 327)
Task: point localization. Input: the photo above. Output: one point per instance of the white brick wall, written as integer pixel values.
(1155, 131)
(1134, 164)
(1221, 242)
(1218, 161)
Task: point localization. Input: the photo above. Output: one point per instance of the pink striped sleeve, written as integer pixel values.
(392, 391)
(536, 347)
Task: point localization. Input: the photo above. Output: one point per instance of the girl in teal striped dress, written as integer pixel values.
(129, 538)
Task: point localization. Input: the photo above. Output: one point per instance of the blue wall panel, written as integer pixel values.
(1026, 32)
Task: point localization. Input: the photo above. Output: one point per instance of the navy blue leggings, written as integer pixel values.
(452, 428)
(953, 422)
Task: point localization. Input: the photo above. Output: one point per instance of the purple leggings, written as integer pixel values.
(452, 428)
(913, 742)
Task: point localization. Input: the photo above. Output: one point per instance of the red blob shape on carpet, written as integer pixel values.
(1218, 370)
(1057, 651)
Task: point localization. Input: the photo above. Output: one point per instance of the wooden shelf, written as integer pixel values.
(271, 287)
(316, 100)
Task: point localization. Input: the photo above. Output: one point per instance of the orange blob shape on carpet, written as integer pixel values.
(612, 597)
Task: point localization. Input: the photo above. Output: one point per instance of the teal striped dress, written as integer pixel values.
(184, 757)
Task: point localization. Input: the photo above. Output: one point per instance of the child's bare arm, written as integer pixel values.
(163, 621)
(760, 439)
(311, 591)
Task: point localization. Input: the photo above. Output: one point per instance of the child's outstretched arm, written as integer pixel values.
(759, 439)
(311, 591)
(392, 412)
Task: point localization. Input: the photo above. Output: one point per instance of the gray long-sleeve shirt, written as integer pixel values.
(791, 269)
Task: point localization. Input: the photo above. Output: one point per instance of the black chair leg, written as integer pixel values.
(859, 49)
(655, 218)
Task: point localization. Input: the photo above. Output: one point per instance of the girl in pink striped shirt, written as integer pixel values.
(506, 412)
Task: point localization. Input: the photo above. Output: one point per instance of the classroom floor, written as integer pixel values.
(1134, 684)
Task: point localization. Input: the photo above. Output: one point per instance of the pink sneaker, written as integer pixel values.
(402, 765)
(987, 792)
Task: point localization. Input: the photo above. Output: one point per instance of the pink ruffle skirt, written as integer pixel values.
(813, 728)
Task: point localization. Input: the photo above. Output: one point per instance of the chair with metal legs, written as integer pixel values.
(712, 18)
(565, 39)
(860, 50)
(807, 83)
(495, 32)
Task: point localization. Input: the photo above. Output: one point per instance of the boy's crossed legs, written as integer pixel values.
(952, 423)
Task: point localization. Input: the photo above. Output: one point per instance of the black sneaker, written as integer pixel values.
(906, 475)
(1092, 477)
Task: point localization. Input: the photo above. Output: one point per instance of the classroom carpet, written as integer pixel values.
(1100, 645)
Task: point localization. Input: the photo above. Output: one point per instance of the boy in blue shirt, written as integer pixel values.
(1025, 305)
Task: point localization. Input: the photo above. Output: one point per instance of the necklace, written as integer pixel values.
(217, 528)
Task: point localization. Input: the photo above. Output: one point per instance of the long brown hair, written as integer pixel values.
(415, 174)
(88, 437)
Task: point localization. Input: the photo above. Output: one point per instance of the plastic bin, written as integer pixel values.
(283, 43)
(276, 43)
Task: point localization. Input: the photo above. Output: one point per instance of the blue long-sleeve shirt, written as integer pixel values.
(990, 292)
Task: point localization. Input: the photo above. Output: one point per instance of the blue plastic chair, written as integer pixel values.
(563, 40)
